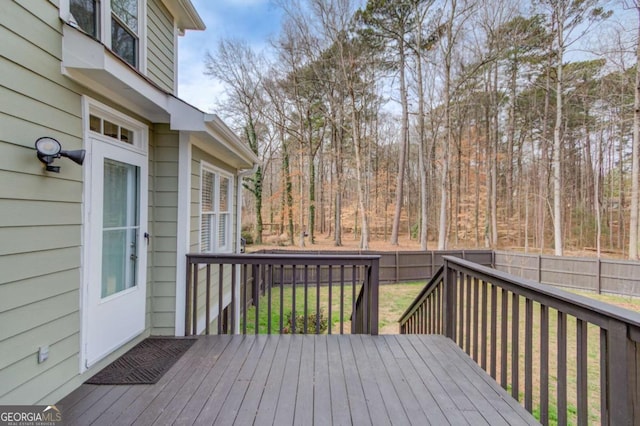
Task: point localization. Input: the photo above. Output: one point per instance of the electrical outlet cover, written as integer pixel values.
(43, 354)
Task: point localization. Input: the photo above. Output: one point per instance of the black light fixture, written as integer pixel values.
(49, 149)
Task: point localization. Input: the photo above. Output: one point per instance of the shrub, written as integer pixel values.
(311, 323)
(247, 235)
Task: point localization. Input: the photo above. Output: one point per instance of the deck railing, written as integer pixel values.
(242, 286)
(566, 357)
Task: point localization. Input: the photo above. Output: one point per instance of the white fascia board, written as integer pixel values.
(89, 63)
(220, 127)
(185, 15)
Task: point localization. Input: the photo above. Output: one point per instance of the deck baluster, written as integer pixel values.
(515, 346)
(528, 355)
(544, 364)
(562, 368)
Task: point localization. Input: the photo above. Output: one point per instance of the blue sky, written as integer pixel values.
(257, 21)
(252, 20)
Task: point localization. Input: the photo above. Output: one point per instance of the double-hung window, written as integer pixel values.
(215, 210)
(115, 22)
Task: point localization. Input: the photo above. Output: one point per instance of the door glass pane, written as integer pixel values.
(120, 227)
(110, 129)
(126, 135)
(95, 124)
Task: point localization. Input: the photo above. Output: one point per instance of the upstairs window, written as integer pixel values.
(215, 211)
(124, 29)
(116, 23)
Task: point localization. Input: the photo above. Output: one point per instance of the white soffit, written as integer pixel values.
(185, 15)
(91, 64)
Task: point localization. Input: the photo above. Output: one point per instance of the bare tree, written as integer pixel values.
(236, 65)
(566, 18)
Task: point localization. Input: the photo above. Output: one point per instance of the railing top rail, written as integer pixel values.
(421, 296)
(282, 259)
(571, 258)
(373, 252)
(545, 293)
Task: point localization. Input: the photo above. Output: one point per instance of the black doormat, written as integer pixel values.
(144, 364)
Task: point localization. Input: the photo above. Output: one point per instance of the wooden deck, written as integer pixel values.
(322, 380)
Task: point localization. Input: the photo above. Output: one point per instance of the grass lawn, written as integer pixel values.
(395, 298)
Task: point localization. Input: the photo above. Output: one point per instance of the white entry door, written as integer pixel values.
(115, 302)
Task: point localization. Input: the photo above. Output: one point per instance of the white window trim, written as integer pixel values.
(105, 27)
(204, 166)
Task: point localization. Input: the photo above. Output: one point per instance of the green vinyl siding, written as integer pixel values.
(29, 213)
(41, 213)
(160, 45)
(37, 238)
(43, 19)
(165, 228)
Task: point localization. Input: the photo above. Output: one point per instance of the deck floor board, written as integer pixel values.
(305, 380)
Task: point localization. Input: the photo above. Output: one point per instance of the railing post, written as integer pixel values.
(374, 284)
(618, 365)
(187, 301)
(449, 300)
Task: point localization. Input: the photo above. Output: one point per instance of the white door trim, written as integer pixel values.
(139, 148)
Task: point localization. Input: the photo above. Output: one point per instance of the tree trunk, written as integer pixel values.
(404, 145)
(422, 164)
(442, 228)
(634, 226)
(288, 191)
(557, 145)
(494, 160)
(364, 240)
(257, 179)
(338, 209)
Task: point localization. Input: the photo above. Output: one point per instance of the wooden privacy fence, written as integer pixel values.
(402, 266)
(261, 280)
(592, 274)
(568, 358)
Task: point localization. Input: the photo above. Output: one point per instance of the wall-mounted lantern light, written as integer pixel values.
(49, 149)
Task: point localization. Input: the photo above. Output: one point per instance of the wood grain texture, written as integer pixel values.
(348, 379)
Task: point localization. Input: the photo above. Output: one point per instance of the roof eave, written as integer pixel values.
(185, 15)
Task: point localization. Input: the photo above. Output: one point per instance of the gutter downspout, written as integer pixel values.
(241, 174)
